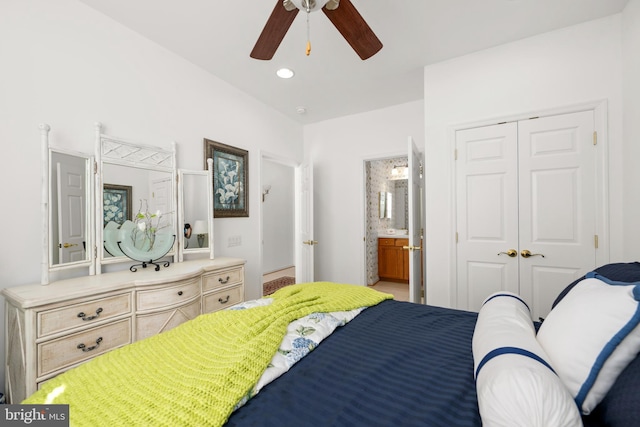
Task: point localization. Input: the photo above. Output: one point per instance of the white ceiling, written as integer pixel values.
(333, 81)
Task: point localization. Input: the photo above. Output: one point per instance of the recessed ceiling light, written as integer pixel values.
(285, 73)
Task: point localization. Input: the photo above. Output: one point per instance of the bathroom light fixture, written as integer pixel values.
(265, 191)
(400, 172)
(200, 228)
(285, 73)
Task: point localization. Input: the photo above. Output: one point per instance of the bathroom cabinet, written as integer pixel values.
(393, 260)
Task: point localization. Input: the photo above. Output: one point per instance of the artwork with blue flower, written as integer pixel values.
(230, 179)
(116, 203)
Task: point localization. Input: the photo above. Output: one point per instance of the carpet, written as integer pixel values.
(270, 287)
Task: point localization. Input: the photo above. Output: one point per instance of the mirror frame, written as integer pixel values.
(208, 176)
(47, 265)
(112, 150)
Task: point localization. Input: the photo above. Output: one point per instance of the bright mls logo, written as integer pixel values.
(35, 415)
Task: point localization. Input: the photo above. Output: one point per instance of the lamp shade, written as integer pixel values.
(200, 227)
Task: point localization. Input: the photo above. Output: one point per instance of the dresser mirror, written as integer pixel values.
(195, 213)
(67, 207)
(136, 189)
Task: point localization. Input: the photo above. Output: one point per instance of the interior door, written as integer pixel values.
(415, 225)
(304, 248)
(557, 190)
(161, 200)
(71, 208)
(526, 199)
(487, 212)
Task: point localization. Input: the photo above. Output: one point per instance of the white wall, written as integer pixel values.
(631, 151)
(571, 66)
(278, 216)
(338, 149)
(65, 64)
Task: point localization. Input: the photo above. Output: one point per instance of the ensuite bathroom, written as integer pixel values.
(387, 220)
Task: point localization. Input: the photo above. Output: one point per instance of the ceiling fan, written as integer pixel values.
(341, 13)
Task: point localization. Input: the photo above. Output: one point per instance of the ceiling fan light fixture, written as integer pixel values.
(309, 5)
(285, 73)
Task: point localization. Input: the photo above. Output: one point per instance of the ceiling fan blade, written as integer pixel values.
(273, 32)
(354, 29)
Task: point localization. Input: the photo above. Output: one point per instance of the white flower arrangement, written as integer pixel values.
(147, 225)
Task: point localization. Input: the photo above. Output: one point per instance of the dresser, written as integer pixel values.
(52, 328)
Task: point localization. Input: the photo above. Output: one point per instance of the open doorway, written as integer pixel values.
(278, 224)
(386, 225)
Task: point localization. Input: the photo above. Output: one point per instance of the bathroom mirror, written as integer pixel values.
(400, 190)
(195, 211)
(386, 203)
(135, 201)
(67, 209)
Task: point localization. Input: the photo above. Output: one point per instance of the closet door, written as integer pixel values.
(557, 191)
(526, 203)
(487, 212)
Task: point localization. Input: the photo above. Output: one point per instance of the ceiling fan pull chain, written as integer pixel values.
(308, 34)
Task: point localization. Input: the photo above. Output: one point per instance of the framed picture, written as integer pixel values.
(230, 179)
(116, 202)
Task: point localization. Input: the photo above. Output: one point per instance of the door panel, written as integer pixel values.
(487, 212)
(554, 219)
(304, 223)
(415, 226)
(557, 191)
(71, 208)
(484, 279)
(548, 283)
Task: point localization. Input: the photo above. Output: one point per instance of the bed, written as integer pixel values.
(393, 364)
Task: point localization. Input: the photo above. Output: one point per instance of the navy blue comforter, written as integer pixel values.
(396, 364)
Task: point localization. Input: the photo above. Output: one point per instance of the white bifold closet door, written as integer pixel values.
(525, 208)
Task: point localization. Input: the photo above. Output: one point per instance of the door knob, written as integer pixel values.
(526, 254)
(310, 242)
(68, 245)
(510, 252)
(412, 248)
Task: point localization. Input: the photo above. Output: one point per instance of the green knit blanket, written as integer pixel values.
(194, 374)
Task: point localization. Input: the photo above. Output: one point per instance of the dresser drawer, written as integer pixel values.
(165, 297)
(222, 279)
(402, 242)
(154, 323)
(386, 242)
(81, 314)
(222, 299)
(63, 352)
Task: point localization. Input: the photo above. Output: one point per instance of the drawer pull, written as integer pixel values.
(224, 301)
(86, 318)
(180, 293)
(93, 347)
(224, 281)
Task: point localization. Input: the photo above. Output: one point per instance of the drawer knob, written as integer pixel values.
(225, 280)
(93, 347)
(180, 293)
(223, 301)
(95, 316)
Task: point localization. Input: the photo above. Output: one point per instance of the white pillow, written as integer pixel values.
(591, 336)
(514, 382)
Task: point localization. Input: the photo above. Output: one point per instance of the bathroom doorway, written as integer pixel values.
(386, 216)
